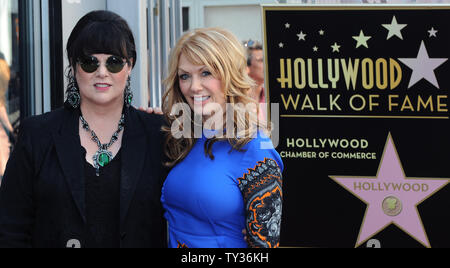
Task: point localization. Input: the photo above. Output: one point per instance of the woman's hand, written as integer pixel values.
(150, 110)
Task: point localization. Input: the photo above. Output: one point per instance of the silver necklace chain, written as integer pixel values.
(114, 137)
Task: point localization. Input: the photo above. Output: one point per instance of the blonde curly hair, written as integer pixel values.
(224, 55)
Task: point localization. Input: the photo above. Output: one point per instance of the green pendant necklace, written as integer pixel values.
(102, 157)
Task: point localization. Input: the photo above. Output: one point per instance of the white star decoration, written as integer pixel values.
(281, 45)
(301, 36)
(335, 47)
(362, 40)
(394, 29)
(287, 25)
(423, 67)
(432, 32)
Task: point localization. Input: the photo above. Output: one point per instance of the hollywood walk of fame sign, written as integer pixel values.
(364, 123)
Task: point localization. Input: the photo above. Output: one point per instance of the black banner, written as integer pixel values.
(364, 123)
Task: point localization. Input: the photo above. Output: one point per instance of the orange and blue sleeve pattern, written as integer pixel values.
(262, 191)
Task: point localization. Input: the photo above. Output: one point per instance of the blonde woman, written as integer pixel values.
(224, 179)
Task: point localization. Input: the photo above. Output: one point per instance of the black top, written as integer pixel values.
(103, 204)
(43, 195)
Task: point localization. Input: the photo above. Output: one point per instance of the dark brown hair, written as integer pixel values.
(101, 32)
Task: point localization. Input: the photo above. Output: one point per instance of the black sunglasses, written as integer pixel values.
(90, 64)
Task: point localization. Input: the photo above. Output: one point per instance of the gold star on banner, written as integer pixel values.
(362, 39)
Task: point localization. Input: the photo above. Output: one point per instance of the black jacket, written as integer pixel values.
(42, 196)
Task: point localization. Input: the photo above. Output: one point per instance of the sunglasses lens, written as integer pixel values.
(89, 64)
(114, 64)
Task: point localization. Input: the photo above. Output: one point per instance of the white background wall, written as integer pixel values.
(5, 29)
(72, 11)
(242, 17)
(244, 21)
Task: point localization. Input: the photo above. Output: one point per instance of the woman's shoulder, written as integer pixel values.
(37, 131)
(261, 148)
(44, 123)
(150, 120)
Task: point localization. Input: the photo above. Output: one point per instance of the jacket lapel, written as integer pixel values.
(68, 146)
(134, 148)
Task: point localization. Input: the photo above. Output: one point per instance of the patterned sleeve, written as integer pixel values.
(261, 188)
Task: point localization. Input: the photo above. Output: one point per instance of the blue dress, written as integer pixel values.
(204, 199)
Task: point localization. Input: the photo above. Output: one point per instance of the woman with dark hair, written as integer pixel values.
(81, 176)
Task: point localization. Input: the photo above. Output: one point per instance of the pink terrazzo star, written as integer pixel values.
(392, 198)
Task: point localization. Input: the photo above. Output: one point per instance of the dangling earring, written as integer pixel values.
(128, 95)
(73, 94)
